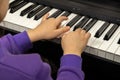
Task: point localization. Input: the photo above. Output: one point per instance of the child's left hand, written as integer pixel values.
(48, 29)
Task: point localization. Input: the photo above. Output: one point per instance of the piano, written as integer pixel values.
(100, 18)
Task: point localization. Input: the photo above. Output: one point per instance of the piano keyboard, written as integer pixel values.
(105, 37)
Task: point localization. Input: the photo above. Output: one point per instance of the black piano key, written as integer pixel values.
(73, 21)
(27, 10)
(90, 25)
(56, 14)
(111, 32)
(119, 41)
(14, 3)
(81, 23)
(102, 29)
(35, 11)
(42, 13)
(17, 7)
(66, 13)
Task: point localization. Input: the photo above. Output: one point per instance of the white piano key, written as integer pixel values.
(9, 17)
(9, 23)
(15, 18)
(117, 55)
(21, 20)
(30, 22)
(105, 45)
(14, 21)
(94, 29)
(90, 31)
(52, 11)
(26, 22)
(92, 50)
(110, 52)
(98, 41)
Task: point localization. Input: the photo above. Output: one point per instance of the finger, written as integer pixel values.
(62, 30)
(60, 19)
(45, 17)
(78, 30)
(60, 27)
(65, 32)
(83, 32)
(87, 35)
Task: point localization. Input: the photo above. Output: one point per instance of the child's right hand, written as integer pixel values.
(75, 42)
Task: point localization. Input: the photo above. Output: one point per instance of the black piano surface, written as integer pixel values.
(107, 10)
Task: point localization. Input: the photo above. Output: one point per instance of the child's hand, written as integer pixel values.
(48, 29)
(75, 42)
(3, 8)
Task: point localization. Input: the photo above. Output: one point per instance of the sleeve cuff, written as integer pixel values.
(71, 60)
(23, 42)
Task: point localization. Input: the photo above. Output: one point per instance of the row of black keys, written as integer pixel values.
(35, 10)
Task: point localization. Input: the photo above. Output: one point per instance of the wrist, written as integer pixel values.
(78, 53)
(33, 35)
(29, 32)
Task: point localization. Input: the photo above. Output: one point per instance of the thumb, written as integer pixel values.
(62, 30)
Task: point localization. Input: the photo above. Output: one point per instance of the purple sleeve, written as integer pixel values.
(22, 41)
(22, 66)
(16, 44)
(70, 68)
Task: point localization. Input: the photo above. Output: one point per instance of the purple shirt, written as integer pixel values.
(16, 65)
